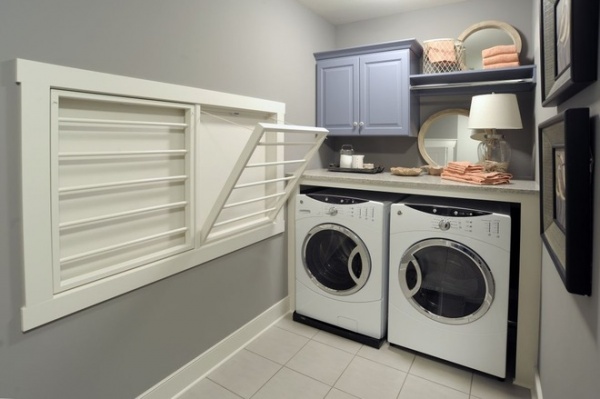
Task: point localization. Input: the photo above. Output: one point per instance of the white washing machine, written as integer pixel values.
(341, 262)
(449, 280)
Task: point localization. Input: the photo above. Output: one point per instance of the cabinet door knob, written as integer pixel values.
(361, 124)
(355, 124)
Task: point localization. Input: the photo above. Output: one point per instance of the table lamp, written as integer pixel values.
(490, 112)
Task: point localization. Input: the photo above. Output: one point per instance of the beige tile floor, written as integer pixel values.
(291, 360)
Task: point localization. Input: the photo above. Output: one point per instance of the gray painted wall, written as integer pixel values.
(447, 21)
(569, 360)
(122, 347)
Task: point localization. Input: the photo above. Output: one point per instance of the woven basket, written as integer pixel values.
(443, 55)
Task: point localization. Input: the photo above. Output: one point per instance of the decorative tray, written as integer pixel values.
(401, 171)
(336, 168)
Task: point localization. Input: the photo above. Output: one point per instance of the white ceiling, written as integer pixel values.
(344, 11)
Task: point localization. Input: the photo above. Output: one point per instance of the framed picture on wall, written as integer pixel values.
(569, 48)
(566, 196)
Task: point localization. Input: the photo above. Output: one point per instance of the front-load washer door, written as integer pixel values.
(336, 259)
(446, 281)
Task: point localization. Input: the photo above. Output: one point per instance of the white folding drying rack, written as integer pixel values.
(277, 184)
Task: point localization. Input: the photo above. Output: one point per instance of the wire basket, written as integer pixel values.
(443, 55)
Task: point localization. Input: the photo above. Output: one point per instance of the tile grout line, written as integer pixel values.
(343, 371)
(354, 355)
(406, 377)
(281, 365)
(285, 364)
(225, 388)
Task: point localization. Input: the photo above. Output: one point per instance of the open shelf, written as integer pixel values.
(500, 80)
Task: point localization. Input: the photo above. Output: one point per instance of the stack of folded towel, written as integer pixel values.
(503, 56)
(468, 172)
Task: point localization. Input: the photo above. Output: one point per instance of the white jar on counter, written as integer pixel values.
(346, 156)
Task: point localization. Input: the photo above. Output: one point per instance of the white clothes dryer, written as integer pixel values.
(341, 262)
(449, 280)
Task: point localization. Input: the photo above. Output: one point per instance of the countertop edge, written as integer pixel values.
(422, 182)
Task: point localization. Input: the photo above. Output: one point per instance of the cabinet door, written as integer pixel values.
(385, 94)
(337, 95)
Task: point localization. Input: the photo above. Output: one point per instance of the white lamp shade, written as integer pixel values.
(495, 111)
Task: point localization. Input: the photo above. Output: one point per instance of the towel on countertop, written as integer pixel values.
(463, 167)
(482, 178)
(467, 172)
(496, 50)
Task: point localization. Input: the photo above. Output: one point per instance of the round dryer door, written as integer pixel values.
(446, 281)
(336, 259)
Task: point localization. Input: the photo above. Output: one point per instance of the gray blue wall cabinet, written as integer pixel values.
(366, 90)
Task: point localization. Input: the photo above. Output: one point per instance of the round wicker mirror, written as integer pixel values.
(486, 34)
(444, 137)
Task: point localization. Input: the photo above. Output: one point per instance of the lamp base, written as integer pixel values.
(494, 153)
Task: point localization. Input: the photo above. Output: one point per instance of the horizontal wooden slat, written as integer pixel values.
(286, 143)
(111, 248)
(264, 182)
(250, 201)
(113, 154)
(291, 162)
(120, 215)
(246, 216)
(131, 183)
(120, 122)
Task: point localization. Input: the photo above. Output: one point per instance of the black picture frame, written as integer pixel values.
(566, 202)
(569, 48)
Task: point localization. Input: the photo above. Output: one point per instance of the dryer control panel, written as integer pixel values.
(463, 220)
(448, 211)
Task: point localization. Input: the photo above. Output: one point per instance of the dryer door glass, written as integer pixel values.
(336, 259)
(446, 281)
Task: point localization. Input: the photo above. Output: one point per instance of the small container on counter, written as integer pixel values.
(346, 156)
(357, 161)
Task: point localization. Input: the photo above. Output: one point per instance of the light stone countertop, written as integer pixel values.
(385, 181)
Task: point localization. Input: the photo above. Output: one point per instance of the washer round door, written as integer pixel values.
(446, 281)
(336, 259)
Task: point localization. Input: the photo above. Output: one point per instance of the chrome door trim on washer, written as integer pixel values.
(344, 269)
(409, 260)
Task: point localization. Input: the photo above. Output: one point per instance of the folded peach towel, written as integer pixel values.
(467, 172)
(501, 58)
(482, 178)
(502, 49)
(463, 167)
(502, 65)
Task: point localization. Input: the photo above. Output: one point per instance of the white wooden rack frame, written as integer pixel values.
(127, 181)
(277, 187)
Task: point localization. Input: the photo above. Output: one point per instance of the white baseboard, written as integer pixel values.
(186, 376)
(536, 392)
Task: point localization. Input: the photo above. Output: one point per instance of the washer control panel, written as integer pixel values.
(337, 206)
(336, 199)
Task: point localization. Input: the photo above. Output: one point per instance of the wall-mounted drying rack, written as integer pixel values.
(122, 181)
(266, 185)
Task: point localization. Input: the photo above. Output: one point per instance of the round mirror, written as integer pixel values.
(444, 137)
(486, 34)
